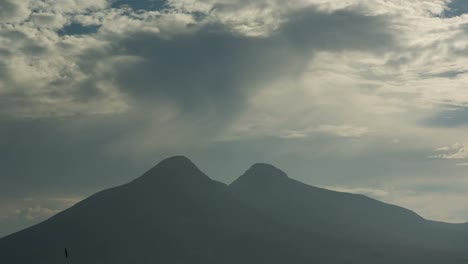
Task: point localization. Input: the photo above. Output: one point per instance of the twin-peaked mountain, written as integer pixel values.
(174, 213)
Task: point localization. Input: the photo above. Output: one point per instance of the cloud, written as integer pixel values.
(34, 213)
(91, 73)
(456, 151)
(13, 11)
(21, 213)
(344, 130)
(292, 33)
(48, 20)
(373, 192)
(44, 77)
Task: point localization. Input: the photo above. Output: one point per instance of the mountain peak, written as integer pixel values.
(175, 168)
(176, 160)
(266, 169)
(261, 174)
(176, 164)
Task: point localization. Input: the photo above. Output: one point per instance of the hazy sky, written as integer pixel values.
(367, 96)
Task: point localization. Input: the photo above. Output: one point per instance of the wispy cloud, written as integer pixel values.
(456, 151)
(21, 213)
(373, 192)
(346, 131)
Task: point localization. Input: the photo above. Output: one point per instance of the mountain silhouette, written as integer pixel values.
(174, 213)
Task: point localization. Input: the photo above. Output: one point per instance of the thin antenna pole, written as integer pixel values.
(66, 256)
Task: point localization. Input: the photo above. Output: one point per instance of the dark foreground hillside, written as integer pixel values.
(174, 213)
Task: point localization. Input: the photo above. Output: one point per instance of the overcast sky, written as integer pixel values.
(365, 96)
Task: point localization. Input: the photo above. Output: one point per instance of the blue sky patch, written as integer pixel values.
(449, 118)
(150, 5)
(456, 8)
(78, 29)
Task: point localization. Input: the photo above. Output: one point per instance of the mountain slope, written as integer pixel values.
(310, 208)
